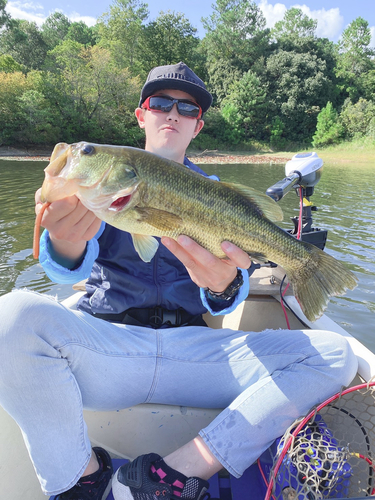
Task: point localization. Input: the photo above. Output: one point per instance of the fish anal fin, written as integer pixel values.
(265, 205)
(159, 219)
(145, 246)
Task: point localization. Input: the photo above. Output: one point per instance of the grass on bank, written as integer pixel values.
(360, 151)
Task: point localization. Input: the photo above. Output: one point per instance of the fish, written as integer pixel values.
(150, 196)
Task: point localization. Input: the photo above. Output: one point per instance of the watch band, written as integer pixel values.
(230, 291)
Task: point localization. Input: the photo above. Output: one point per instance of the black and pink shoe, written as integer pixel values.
(133, 481)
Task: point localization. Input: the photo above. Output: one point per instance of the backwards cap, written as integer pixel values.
(177, 77)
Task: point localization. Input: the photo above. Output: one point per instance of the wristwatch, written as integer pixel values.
(230, 291)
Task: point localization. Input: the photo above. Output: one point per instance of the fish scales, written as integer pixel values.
(149, 196)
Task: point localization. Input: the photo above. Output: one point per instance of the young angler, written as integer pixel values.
(138, 336)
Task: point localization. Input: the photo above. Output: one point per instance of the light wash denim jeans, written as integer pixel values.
(55, 362)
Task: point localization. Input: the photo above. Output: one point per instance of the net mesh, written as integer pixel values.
(332, 454)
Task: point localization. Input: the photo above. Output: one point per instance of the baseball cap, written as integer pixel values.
(177, 77)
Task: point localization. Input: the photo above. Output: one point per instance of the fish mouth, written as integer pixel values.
(120, 203)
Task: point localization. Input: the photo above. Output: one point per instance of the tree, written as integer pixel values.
(5, 19)
(294, 26)
(245, 108)
(81, 33)
(297, 89)
(12, 86)
(357, 118)
(25, 43)
(236, 34)
(8, 64)
(328, 128)
(120, 31)
(55, 28)
(354, 57)
(93, 97)
(169, 39)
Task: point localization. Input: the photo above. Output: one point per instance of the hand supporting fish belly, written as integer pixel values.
(147, 196)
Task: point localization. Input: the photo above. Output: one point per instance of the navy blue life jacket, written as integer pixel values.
(120, 280)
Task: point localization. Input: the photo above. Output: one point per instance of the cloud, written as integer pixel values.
(372, 29)
(75, 17)
(330, 22)
(34, 12)
(27, 11)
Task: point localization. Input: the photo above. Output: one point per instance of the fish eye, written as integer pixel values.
(130, 173)
(88, 149)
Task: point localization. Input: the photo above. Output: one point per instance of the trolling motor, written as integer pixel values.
(302, 172)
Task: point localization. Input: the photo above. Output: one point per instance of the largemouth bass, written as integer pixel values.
(147, 196)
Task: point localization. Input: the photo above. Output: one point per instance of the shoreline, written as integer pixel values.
(206, 157)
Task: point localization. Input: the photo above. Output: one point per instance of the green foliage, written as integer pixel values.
(68, 81)
(8, 64)
(354, 58)
(24, 41)
(5, 19)
(277, 140)
(168, 39)
(245, 107)
(298, 88)
(120, 31)
(328, 129)
(55, 29)
(235, 33)
(293, 26)
(358, 119)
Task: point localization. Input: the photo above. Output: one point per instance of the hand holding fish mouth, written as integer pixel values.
(206, 270)
(70, 225)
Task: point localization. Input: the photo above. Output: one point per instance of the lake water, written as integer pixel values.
(345, 197)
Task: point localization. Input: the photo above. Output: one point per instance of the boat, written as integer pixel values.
(130, 432)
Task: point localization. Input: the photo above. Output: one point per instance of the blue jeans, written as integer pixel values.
(55, 362)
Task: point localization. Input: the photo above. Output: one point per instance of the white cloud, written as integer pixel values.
(75, 17)
(372, 29)
(272, 13)
(330, 22)
(31, 11)
(27, 11)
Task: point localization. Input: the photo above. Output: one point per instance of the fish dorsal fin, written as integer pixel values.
(145, 246)
(159, 219)
(264, 204)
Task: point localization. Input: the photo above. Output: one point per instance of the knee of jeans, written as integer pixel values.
(339, 355)
(20, 311)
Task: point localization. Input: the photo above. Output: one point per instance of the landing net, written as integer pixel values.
(328, 454)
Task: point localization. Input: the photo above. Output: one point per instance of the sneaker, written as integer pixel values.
(95, 486)
(132, 482)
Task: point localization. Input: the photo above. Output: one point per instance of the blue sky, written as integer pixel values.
(333, 16)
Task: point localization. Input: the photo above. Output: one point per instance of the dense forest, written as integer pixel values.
(281, 87)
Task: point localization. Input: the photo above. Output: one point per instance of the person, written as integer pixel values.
(138, 336)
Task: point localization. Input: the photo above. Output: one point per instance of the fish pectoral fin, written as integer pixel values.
(159, 219)
(265, 205)
(145, 246)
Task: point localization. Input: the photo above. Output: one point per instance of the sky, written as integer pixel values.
(333, 16)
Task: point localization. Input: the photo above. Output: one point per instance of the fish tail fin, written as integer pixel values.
(318, 280)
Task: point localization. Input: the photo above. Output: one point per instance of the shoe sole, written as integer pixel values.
(119, 490)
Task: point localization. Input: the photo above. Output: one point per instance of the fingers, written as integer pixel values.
(68, 219)
(236, 255)
(205, 269)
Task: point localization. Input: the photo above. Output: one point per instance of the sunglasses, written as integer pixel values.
(165, 104)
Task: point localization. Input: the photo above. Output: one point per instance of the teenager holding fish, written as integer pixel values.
(138, 336)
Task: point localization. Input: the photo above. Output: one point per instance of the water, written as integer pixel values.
(345, 197)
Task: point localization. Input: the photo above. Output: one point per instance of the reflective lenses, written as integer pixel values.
(165, 104)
